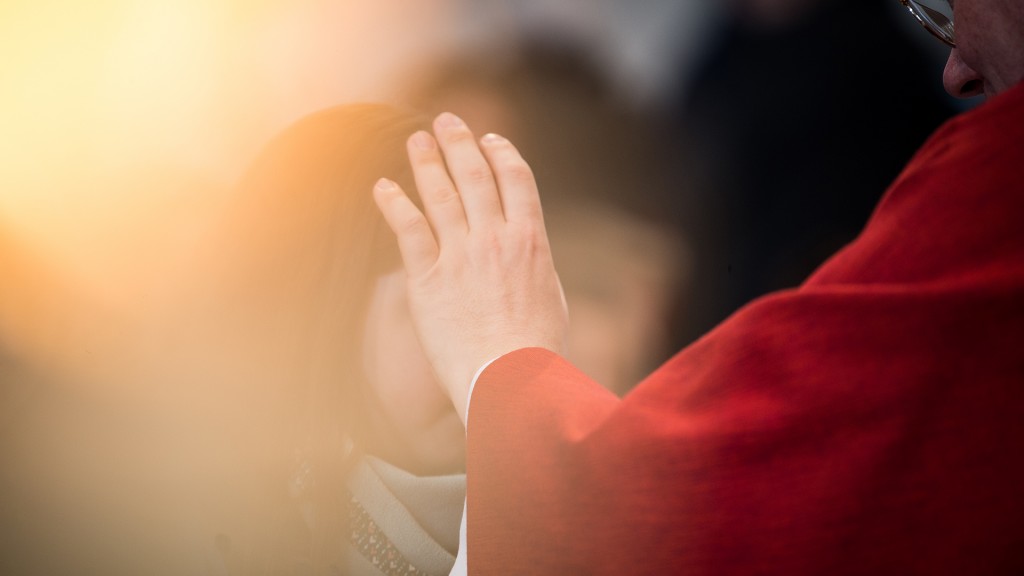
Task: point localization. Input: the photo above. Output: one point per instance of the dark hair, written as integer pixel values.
(296, 259)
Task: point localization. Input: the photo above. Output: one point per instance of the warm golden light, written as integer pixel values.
(122, 123)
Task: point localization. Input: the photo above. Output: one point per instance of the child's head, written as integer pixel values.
(315, 283)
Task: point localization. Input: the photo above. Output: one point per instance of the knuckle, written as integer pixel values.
(518, 171)
(479, 175)
(445, 195)
(458, 136)
(487, 245)
(412, 224)
(534, 236)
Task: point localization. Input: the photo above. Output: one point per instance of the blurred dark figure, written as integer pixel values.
(793, 144)
(601, 168)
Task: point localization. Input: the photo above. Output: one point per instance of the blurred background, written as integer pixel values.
(692, 155)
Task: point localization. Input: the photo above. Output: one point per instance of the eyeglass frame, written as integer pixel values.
(929, 27)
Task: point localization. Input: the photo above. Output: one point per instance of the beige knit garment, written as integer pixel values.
(418, 515)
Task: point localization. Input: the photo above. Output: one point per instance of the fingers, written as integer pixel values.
(441, 199)
(466, 184)
(415, 238)
(469, 170)
(519, 196)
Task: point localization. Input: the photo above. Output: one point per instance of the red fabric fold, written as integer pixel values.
(870, 421)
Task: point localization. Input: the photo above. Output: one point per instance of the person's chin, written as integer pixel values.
(443, 447)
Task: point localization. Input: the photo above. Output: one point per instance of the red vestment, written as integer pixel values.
(869, 422)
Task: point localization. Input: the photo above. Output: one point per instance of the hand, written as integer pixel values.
(481, 280)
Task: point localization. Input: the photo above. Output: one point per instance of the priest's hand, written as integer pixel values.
(481, 281)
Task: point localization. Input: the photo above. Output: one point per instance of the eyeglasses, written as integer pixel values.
(936, 16)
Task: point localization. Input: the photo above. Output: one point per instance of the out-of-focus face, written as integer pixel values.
(989, 53)
(412, 422)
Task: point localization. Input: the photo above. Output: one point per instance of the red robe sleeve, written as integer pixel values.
(870, 421)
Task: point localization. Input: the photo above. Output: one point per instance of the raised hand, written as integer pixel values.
(481, 279)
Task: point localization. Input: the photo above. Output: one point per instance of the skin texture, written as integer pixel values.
(481, 282)
(484, 284)
(414, 424)
(989, 56)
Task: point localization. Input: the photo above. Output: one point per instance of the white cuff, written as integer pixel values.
(461, 568)
(472, 386)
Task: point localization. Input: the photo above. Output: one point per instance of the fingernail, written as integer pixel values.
(385, 185)
(493, 138)
(449, 120)
(423, 141)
